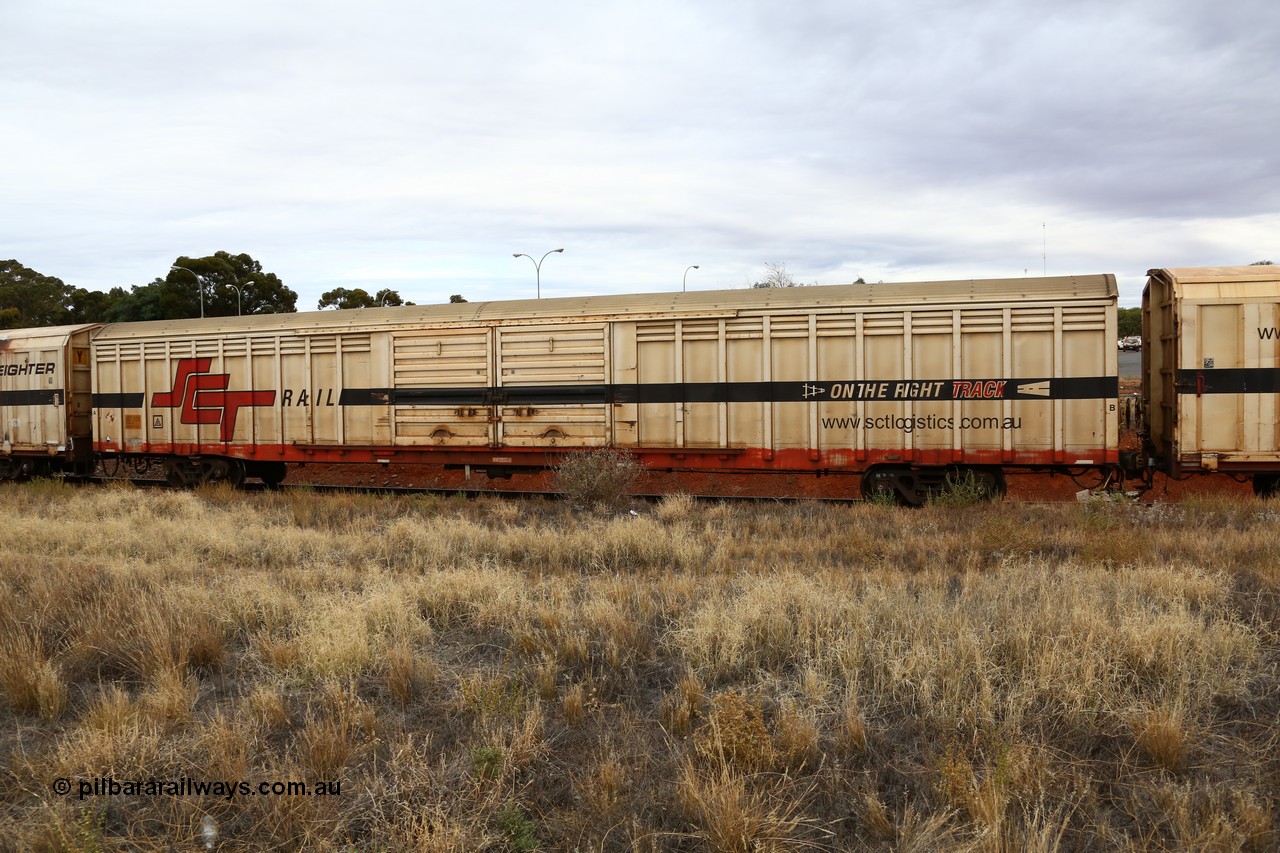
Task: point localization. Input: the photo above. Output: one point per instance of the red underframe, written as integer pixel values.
(691, 459)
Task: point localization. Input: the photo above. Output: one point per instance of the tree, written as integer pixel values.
(776, 275)
(162, 299)
(260, 292)
(1128, 322)
(1262, 264)
(93, 306)
(343, 298)
(456, 298)
(28, 298)
(389, 298)
(178, 294)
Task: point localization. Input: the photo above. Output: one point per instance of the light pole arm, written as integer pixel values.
(199, 285)
(537, 266)
(236, 288)
(684, 281)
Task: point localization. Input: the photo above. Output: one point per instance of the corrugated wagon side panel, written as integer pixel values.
(744, 362)
(45, 399)
(1216, 344)
(702, 362)
(542, 371)
(426, 366)
(884, 353)
(32, 395)
(790, 362)
(362, 425)
(1033, 354)
(119, 420)
(1213, 368)
(263, 374)
(658, 348)
(837, 354)
(1087, 350)
(933, 346)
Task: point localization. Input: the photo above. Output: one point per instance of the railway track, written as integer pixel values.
(472, 494)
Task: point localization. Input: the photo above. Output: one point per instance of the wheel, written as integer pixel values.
(271, 474)
(234, 473)
(175, 473)
(1266, 485)
(221, 470)
(880, 485)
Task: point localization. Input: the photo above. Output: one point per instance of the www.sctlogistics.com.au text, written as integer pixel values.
(912, 424)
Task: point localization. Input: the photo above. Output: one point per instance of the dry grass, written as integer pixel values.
(489, 675)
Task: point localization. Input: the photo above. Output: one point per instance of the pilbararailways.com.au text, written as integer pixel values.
(109, 786)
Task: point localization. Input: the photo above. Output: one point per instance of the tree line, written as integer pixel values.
(222, 284)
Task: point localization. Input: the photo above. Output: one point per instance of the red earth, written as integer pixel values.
(1022, 486)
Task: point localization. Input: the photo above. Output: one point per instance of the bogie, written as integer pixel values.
(189, 472)
(1266, 485)
(916, 486)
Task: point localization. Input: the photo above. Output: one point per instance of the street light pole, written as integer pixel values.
(537, 266)
(685, 280)
(237, 290)
(199, 284)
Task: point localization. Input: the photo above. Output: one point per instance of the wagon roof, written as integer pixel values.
(1210, 282)
(702, 303)
(44, 334)
(1254, 272)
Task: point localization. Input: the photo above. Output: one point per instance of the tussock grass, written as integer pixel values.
(496, 675)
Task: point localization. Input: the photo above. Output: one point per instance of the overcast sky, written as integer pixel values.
(417, 144)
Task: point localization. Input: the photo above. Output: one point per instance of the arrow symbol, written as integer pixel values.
(1035, 389)
(813, 390)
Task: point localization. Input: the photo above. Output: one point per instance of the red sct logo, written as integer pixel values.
(204, 398)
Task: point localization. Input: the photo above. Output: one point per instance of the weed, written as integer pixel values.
(675, 508)
(407, 673)
(1163, 736)
(575, 707)
(487, 762)
(600, 477)
(518, 828)
(796, 739)
(491, 696)
(851, 729)
(267, 706)
(85, 835)
(736, 813)
(883, 498)
(32, 682)
(735, 734)
(966, 488)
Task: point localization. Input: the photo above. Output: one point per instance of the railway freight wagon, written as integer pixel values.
(906, 385)
(1211, 382)
(45, 401)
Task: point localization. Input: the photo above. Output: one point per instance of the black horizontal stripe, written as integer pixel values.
(1071, 388)
(118, 401)
(32, 397)
(1228, 380)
